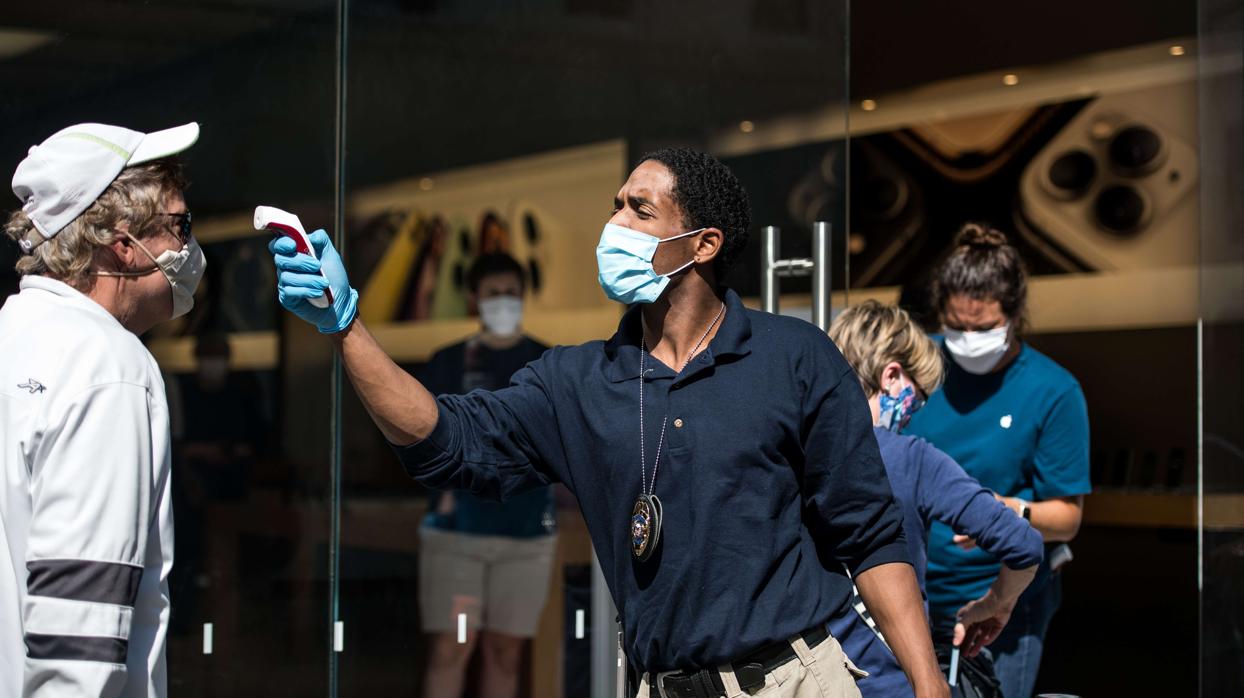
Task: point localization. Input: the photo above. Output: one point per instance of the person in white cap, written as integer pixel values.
(86, 529)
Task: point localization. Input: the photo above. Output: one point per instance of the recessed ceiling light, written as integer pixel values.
(747, 126)
(868, 105)
(1010, 79)
(15, 42)
(1177, 50)
(857, 243)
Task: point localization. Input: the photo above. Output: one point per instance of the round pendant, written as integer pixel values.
(645, 526)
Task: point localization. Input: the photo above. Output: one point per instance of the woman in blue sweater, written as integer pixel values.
(898, 366)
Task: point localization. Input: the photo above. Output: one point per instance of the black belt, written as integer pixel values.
(749, 669)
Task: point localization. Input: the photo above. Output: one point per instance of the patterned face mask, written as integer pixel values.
(896, 411)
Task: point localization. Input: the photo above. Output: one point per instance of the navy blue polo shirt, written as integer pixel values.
(461, 368)
(770, 478)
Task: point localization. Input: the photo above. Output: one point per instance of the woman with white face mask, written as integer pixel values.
(1017, 422)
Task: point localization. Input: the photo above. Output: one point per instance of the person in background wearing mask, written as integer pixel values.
(1017, 422)
(723, 458)
(489, 560)
(898, 367)
(86, 530)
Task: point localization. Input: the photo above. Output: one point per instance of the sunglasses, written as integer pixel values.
(184, 225)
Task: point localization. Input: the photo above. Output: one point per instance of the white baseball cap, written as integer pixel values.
(62, 176)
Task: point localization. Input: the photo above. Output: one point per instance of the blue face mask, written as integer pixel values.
(624, 258)
(896, 411)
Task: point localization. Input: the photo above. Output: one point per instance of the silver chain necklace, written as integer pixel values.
(646, 515)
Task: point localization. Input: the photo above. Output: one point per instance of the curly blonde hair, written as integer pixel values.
(136, 197)
(871, 335)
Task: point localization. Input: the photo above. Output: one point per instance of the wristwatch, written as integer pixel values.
(1025, 511)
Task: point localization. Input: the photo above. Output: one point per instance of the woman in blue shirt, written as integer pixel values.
(1017, 422)
(896, 363)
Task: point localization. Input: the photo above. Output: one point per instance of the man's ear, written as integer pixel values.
(122, 249)
(708, 245)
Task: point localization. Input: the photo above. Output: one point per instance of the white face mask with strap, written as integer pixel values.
(183, 269)
(978, 352)
(501, 315)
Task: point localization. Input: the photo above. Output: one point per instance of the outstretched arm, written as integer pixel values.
(493, 444)
(400, 406)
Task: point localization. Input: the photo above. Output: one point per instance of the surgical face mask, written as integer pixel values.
(624, 259)
(896, 410)
(501, 315)
(977, 352)
(183, 269)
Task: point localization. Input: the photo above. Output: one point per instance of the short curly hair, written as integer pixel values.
(136, 197)
(871, 335)
(710, 196)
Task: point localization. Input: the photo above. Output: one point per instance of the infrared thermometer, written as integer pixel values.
(287, 224)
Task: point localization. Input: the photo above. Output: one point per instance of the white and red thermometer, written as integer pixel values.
(287, 224)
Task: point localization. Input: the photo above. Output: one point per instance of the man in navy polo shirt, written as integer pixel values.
(723, 458)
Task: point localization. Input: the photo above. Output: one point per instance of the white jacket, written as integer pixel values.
(86, 527)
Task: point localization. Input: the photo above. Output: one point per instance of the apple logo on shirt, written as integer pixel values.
(1005, 421)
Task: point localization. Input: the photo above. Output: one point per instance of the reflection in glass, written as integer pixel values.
(484, 567)
(1221, 475)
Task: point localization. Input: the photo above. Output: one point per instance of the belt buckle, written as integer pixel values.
(660, 682)
(751, 677)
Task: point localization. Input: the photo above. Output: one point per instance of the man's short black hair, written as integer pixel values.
(493, 264)
(710, 197)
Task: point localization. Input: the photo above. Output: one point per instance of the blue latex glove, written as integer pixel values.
(298, 280)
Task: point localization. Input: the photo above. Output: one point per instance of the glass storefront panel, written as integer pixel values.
(249, 403)
(1084, 150)
(1221, 550)
(1111, 157)
(509, 127)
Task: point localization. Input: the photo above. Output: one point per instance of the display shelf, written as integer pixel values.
(415, 342)
(1140, 299)
(1162, 510)
(406, 342)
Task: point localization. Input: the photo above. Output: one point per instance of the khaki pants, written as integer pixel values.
(823, 671)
